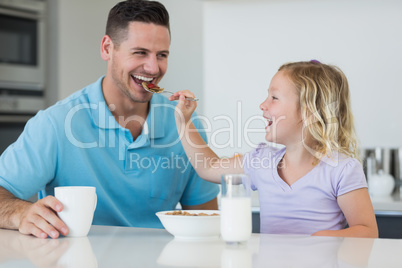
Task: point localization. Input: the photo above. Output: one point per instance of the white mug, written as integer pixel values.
(79, 203)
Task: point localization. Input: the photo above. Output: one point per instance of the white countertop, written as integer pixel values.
(388, 205)
(108, 246)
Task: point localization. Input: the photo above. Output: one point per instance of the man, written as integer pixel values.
(112, 134)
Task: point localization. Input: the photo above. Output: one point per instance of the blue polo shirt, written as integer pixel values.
(77, 141)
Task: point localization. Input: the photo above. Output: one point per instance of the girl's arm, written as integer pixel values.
(205, 162)
(359, 213)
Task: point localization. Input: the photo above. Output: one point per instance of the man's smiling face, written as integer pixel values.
(142, 56)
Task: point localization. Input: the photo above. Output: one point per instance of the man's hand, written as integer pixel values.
(40, 219)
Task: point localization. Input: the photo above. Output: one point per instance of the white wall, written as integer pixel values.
(76, 29)
(186, 50)
(226, 51)
(246, 41)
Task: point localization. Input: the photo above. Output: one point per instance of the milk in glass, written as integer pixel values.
(236, 208)
(236, 219)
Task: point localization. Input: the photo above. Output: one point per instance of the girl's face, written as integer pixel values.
(282, 111)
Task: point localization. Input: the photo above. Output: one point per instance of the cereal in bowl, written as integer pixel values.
(185, 213)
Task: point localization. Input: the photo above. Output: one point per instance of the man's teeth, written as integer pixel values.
(143, 78)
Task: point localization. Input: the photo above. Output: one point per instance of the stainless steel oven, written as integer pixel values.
(22, 65)
(22, 56)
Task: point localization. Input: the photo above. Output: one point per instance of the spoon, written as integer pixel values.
(158, 90)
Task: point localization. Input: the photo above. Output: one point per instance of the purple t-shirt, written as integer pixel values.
(308, 205)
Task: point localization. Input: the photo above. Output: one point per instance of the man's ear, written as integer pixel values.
(106, 48)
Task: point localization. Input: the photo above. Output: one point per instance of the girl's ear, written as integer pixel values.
(106, 48)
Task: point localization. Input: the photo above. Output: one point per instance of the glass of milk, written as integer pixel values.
(235, 208)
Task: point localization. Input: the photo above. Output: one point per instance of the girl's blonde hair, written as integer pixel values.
(325, 107)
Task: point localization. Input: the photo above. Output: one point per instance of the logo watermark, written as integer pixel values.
(237, 129)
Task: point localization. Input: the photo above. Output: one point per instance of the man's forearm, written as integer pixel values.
(11, 209)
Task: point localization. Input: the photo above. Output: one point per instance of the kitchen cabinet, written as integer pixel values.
(389, 225)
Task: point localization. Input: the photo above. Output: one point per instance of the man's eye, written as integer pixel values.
(163, 55)
(274, 98)
(140, 53)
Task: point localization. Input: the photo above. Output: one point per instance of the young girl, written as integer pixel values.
(315, 184)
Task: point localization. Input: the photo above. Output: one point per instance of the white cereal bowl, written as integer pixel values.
(192, 227)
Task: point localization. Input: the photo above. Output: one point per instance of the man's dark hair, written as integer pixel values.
(134, 10)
